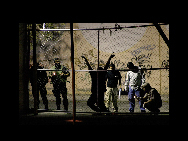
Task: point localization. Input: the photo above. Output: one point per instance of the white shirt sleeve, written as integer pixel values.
(143, 76)
(127, 81)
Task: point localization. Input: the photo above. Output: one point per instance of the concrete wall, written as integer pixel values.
(147, 50)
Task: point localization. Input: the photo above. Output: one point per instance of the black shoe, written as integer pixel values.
(115, 109)
(66, 108)
(143, 111)
(157, 111)
(106, 110)
(46, 106)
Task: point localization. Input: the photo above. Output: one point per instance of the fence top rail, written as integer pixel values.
(103, 28)
(101, 70)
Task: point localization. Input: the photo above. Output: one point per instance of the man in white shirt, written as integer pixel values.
(134, 79)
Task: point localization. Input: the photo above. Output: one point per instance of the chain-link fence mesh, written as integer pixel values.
(143, 46)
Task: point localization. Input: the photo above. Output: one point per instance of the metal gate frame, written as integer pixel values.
(34, 87)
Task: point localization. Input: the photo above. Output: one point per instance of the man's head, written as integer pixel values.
(146, 87)
(130, 65)
(99, 68)
(40, 63)
(112, 66)
(56, 60)
(57, 63)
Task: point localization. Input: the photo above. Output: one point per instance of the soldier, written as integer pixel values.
(42, 79)
(59, 79)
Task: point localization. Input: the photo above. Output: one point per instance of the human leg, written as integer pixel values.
(114, 99)
(56, 93)
(131, 99)
(43, 93)
(108, 97)
(65, 100)
(141, 102)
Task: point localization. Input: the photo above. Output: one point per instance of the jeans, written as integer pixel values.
(131, 95)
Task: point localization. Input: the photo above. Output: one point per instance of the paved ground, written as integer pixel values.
(85, 116)
(62, 118)
(81, 103)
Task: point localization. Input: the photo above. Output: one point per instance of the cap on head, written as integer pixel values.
(112, 65)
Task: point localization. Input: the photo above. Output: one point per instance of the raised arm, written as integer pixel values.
(87, 63)
(108, 62)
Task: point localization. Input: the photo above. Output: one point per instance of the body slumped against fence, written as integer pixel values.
(141, 45)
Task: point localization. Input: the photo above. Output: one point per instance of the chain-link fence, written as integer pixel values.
(143, 46)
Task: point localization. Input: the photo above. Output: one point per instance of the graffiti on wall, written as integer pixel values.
(142, 58)
(165, 63)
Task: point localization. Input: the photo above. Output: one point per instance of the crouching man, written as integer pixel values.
(152, 99)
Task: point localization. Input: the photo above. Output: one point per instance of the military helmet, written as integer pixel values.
(56, 60)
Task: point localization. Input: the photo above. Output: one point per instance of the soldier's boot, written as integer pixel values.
(66, 106)
(65, 103)
(38, 102)
(58, 102)
(46, 106)
(45, 102)
(58, 107)
(115, 109)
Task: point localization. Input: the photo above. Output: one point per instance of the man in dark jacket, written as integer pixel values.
(112, 91)
(152, 99)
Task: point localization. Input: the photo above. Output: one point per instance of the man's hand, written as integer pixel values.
(138, 98)
(112, 55)
(62, 74)
(126, 89)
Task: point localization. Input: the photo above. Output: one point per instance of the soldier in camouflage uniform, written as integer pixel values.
(59, 79)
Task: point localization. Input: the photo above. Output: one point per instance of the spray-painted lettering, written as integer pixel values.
(141, 49)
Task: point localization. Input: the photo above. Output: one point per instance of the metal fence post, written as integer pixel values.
(98, 72)
(34, 87)
(73, 73)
